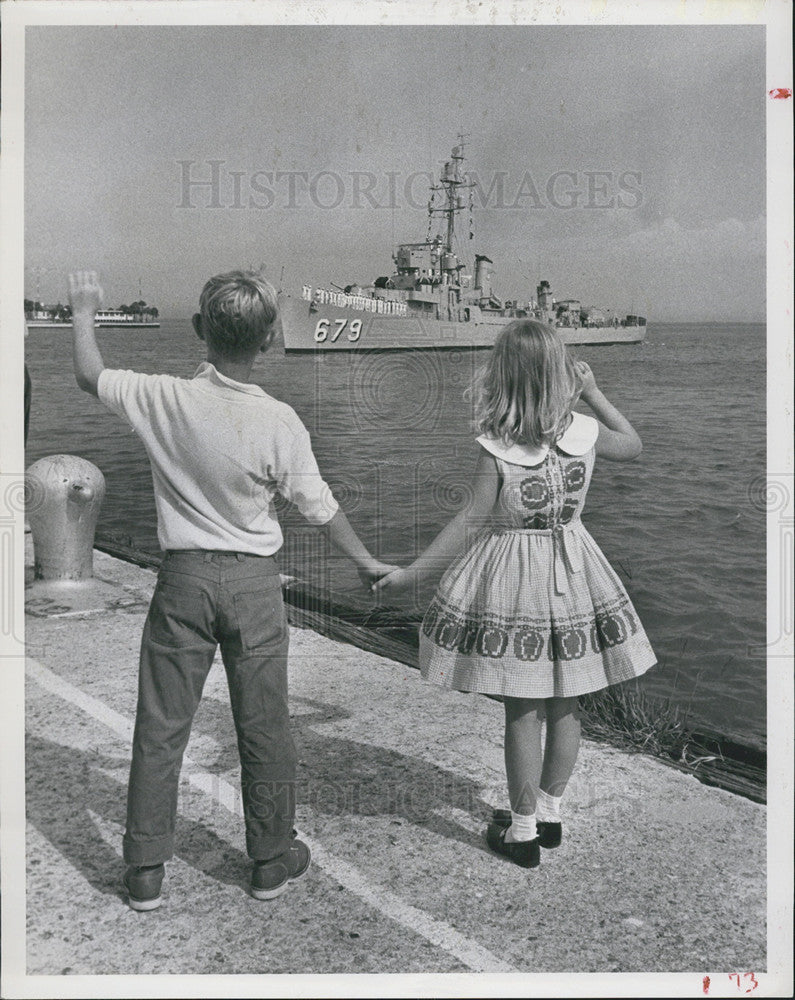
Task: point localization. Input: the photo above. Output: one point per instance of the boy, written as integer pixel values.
(219, 448)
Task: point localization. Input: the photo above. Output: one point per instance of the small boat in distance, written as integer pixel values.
(136, 316)
(430, 302)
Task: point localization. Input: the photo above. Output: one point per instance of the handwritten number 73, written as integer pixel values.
(750, 981)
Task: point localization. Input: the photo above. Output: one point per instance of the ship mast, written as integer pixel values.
(434, 262)
(453, 179)
(452, 191)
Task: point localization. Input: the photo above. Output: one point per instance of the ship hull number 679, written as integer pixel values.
(323, 331)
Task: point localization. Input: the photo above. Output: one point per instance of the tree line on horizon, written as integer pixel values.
(62, 312)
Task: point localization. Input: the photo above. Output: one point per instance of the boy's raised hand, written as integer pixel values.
(85, 298)
(85, 292)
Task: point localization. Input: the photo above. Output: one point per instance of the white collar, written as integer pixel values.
(210, 373)
(578, 438)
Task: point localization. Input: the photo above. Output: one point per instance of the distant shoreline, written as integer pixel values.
(652, 324)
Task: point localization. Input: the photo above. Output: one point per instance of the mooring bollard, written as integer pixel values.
(70, 492)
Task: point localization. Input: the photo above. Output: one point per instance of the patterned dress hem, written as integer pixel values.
(478, 679)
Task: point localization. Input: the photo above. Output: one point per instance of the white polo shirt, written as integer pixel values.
(219, 450)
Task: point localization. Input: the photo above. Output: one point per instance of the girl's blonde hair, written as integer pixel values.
(525, 393)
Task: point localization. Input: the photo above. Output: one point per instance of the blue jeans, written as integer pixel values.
(203, 600)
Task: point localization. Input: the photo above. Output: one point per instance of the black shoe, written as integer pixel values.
(550, 835)
(269, 879)
(523, 852)
(143, 886)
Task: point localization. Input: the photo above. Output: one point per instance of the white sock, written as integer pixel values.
(547, 807)
(521, 828)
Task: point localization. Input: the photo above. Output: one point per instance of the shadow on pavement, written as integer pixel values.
(338, 776)
(65, 786)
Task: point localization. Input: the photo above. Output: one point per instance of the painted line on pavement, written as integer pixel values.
(468, 951)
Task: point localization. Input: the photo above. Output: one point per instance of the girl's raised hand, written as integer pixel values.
(587, 379)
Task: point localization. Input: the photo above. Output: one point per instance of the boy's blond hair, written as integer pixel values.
(238, 312)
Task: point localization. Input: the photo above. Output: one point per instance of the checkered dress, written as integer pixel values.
(533, 609)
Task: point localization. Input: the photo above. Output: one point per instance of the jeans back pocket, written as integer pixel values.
(261, 618)
(179, 616)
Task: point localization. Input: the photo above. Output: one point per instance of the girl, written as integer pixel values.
(531, 609)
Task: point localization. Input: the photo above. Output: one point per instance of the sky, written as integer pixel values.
(623, 164)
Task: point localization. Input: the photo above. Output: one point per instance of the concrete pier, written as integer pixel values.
(657, 872)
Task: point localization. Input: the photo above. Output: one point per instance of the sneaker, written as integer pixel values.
(550, 835)
(143, 886)
(269, 879)
(522, 852)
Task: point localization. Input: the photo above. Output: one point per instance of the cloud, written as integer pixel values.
(728, 239)
(667, 271)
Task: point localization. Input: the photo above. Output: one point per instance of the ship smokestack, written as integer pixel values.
(544, 295)
(482, 275)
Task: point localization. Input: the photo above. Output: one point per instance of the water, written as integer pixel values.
(391, 434)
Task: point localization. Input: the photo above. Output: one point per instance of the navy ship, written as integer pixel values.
(434, 300)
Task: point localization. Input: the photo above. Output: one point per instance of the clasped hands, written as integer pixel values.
(385, 578)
